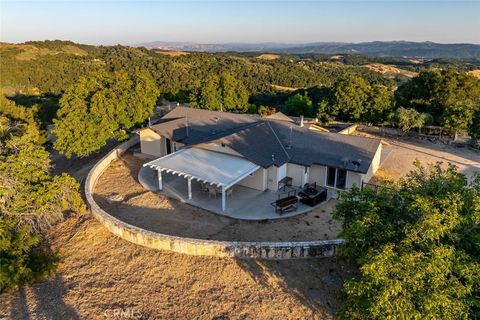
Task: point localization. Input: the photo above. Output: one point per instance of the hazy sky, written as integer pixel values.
(131, 22)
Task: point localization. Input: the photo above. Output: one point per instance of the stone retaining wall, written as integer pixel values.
(260, 250)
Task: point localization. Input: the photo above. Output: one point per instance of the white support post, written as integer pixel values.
(223, 199)
(189, 188)
(160, 187)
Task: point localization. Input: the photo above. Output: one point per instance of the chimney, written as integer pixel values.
(301, 121)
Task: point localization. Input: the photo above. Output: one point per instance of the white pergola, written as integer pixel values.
(220, 169)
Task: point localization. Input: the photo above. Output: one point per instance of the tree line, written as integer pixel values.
(445, 98)
(230, 82)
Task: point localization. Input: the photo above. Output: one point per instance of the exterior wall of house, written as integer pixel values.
(275, 174)
(354, 178)
(317, 174)
(152, 143)
(217, 147)
(257, 180)
(176, 146)
(298, 173)
(272, 181)
(281, 172)
(374, 165)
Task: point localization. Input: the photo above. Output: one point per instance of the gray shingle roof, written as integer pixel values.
(279, 116)
(267, 141)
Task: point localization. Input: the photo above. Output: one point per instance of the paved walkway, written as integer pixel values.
(244, 203)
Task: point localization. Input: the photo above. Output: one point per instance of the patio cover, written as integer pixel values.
(216, 168)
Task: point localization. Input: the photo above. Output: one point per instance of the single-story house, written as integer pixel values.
(226, 149)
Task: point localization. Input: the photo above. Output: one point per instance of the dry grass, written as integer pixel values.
(416, 61)
(268, 56)
(30, 52)
(475, 73)
(74, 50)
(172, 53)
(283, 88)
(390, 70)
(336, 57)
(100, 273)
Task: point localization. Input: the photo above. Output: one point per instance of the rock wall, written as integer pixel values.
(258, 250)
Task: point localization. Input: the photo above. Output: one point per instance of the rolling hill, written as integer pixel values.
(426, 50)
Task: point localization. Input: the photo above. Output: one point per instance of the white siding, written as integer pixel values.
(298, 174)
(281, 172)
(152, 143)
(257, 180)
(374, 165)
(275, 174)
(354, 178)
(317, 174)
(272, 181)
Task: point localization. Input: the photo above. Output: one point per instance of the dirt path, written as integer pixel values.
(101, 275)
(403, 151)
(158, 213)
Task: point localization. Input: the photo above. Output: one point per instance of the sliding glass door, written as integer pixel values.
(336, 178)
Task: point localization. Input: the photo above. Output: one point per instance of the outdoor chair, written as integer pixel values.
(212, 191)
(284, 183)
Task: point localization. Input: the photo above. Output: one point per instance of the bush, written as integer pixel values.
(407, 119)
(417, 244)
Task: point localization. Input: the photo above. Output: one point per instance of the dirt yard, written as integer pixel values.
(403, 151)
(158, 213)
(101, 275)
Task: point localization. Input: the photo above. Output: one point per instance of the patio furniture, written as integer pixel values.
(286, 201)
(285, 182)
(312, 195)
(212, 191)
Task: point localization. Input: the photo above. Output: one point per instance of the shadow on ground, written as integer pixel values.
(43, 300)
(316, 283)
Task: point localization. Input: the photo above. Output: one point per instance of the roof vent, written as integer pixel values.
(345, 161)
(357, 163)
(273, 157)
(301, 121)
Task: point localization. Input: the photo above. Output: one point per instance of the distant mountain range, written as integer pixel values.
(428, 50)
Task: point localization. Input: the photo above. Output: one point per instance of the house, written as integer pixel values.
(226, 149)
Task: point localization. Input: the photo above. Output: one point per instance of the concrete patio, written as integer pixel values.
(243, 203)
